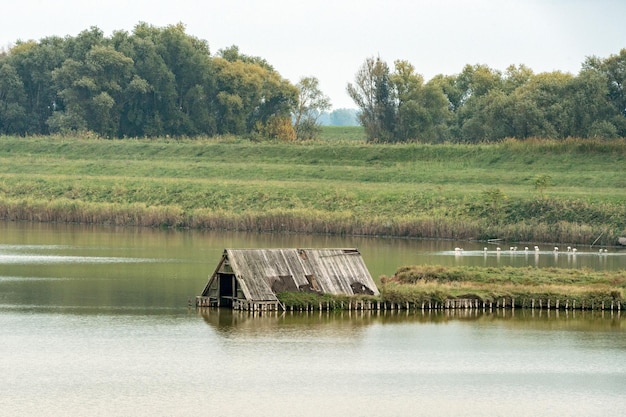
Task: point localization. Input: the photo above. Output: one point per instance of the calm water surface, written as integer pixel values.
(94, 321)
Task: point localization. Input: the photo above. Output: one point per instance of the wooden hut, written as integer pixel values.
(249, 279)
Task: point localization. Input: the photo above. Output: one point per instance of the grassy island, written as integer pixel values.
(438, 287)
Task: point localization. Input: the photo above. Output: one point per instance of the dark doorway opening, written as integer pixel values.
(227, 289)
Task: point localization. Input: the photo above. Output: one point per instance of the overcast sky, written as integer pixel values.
(330, 39)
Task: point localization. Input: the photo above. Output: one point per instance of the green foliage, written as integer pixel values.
(372, 92)
(541, 182)
(495, 197)
(163, 82)
(484, 105)
(151, 82)
(310, 105)
(13, 117)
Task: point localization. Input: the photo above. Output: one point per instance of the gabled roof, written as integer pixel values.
(262, 273)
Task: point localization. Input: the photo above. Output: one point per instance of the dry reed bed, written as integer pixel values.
(307, 221)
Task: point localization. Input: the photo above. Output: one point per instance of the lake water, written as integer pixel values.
(94, 321)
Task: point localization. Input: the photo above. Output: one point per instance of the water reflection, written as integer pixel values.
(228, 322)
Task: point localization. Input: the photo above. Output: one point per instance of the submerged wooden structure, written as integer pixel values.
(250, 279)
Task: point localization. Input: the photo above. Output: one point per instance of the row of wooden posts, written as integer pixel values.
(450, 304)
(460, 304)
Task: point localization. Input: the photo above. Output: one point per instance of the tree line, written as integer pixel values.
(156, 82)
(481, 104)
(148, 83)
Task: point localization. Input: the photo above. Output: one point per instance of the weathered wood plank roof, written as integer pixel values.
(262, 273)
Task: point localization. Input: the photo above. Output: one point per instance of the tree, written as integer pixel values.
(232, 54)
(515, 77)
(421, 109)
(541, 182)
(475, 84)
(239, 86)
(34, 63)
(251, 96)
(93, 90)
(613, 69)
(151, 93)
(13, 118)
(310, 105)
(398, 106)
(277, 99)
(588, 99)
(547, 106)
(373, 94)
(343, 117)
(90, 85)
(411, 114)
(188, 59)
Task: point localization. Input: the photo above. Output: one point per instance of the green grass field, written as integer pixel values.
(338, 184)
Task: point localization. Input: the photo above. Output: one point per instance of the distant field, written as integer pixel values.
(338, 184)
(343, 133)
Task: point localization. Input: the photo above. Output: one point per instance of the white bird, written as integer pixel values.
(556, 248)
(569, 248)
(536, 248)
(574, 250)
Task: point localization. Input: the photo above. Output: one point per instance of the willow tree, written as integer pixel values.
(422, 108)
(613, 69)
(312, 102)
(372, 92)
(13, 117)
(252, 98)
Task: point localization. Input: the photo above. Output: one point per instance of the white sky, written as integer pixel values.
(330, 39)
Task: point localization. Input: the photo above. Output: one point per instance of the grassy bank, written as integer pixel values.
(340, 186)
(416, 287)
(525, 286)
